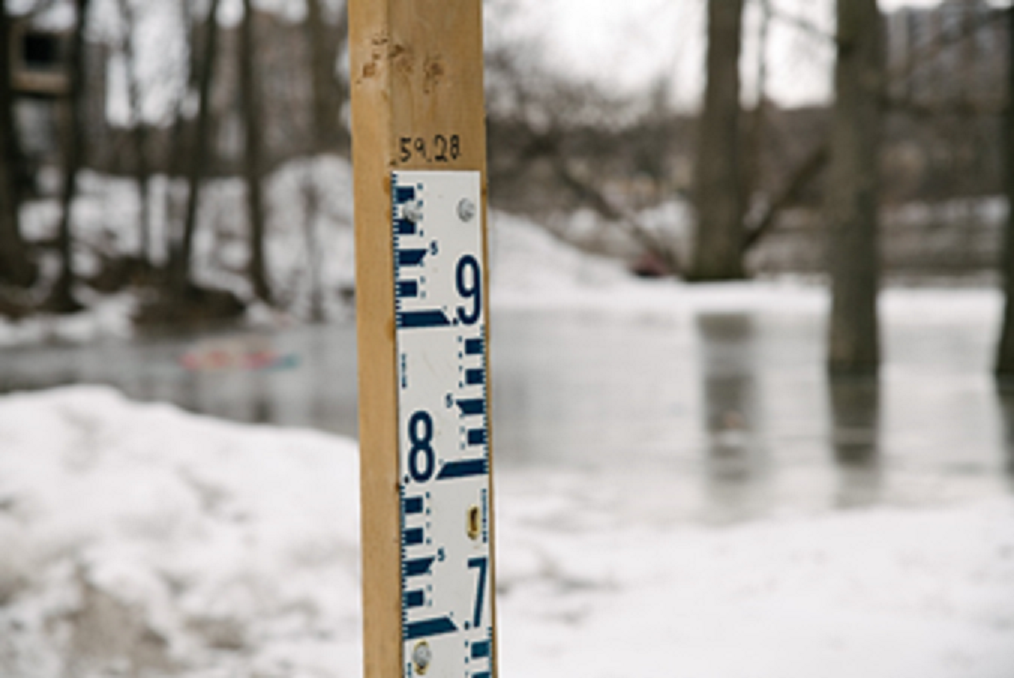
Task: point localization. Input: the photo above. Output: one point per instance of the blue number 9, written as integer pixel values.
(469, 281)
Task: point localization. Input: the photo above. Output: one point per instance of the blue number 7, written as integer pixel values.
(479, 589)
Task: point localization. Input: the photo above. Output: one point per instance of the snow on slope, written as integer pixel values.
(527, 263)
(306, 194)
(139, 538)
(529, 267)
(202, 543)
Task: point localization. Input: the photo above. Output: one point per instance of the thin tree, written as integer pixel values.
(199, 153)
(177, 160)
(253, 166)
(62, 299)
(139, 129)
(1005, 351)
(312, 194)
(757, 117)
(718, 249)
(853, 187)
(326, 41)
(328, 97)
(15, 266)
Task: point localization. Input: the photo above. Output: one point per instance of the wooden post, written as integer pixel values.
(417, 78)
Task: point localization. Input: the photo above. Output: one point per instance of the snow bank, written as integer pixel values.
(137, 538)
(141, 538)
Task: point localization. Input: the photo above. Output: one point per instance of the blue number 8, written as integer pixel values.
(420, 435)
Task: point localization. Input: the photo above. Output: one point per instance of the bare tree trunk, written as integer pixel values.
(179, 140)
(199, 153)
(718, 250)
(142, 168)
(853, 189)
(757, 118)
(1005, 351)
(62, 299)
(15, 266)
(252, 167)
(328, 97)
(314, 250)
(326, 43)
(801, 177)
(178, 137)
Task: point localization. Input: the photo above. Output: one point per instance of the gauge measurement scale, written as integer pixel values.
(443, 418)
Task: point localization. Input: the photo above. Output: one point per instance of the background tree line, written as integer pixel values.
(244, 98)
(920, 116)
(919, 122)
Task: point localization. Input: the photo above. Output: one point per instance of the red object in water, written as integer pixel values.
(236, 355)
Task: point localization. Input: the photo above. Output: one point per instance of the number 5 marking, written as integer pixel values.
(480, 589)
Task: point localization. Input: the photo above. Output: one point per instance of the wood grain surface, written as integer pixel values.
(417, 88)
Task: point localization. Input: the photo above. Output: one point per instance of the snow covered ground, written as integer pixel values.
(139, 540)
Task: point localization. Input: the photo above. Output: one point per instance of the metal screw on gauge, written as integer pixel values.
(413, 212)
(466, 210)
(422, 656)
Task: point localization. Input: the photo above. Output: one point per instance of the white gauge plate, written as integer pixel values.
(439, 262)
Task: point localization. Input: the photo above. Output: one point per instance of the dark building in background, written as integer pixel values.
(954, 52)
(40, 83)
(948, 89)
(942, 153)
(41, 86)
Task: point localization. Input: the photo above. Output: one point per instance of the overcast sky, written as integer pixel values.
(630, 43)
(623, 44)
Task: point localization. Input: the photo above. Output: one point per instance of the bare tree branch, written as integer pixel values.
(807, 170)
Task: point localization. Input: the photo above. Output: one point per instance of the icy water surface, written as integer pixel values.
(709, 416)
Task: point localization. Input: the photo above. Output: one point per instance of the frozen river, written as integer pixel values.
(716, 413)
